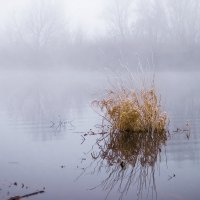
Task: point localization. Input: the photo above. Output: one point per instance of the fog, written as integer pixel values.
(75, 74)
(97, 34)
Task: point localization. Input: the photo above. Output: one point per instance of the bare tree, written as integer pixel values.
(43, 24)
(119, 18)
(151, 25)
(184, 21)
(40, 26)
(39, 31)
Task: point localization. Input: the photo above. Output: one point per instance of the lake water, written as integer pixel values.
(38, 151)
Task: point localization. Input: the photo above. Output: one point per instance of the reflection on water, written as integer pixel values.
(44, 114)
(130, 158)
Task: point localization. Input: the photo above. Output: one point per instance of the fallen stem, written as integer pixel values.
(27, 195)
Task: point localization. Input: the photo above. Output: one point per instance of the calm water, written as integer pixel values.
(37, 149)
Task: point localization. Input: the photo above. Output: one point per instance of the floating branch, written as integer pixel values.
(27, 195)
(58, 125)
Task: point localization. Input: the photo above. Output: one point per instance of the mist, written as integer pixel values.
(47, 34)
(99, 99)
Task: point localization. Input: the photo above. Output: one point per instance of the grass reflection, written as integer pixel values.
(130, 159)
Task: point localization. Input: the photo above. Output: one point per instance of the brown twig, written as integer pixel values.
(27, 195)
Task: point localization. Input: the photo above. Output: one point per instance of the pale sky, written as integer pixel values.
(88, 14)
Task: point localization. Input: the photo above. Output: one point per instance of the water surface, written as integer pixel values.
(44, 114)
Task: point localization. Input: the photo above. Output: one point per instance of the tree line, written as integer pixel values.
(164, 33)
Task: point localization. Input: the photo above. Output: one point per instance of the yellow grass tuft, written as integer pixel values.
(133, 111)
(137, 126)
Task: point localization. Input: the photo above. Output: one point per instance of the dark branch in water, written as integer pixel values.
(170, 177)
(93, 155)
(61, 124)
(83, 139)
(27, 195)
(184, 130)
(52, 124)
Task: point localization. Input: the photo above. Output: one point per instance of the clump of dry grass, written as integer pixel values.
(130, 111)
(137, 126)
